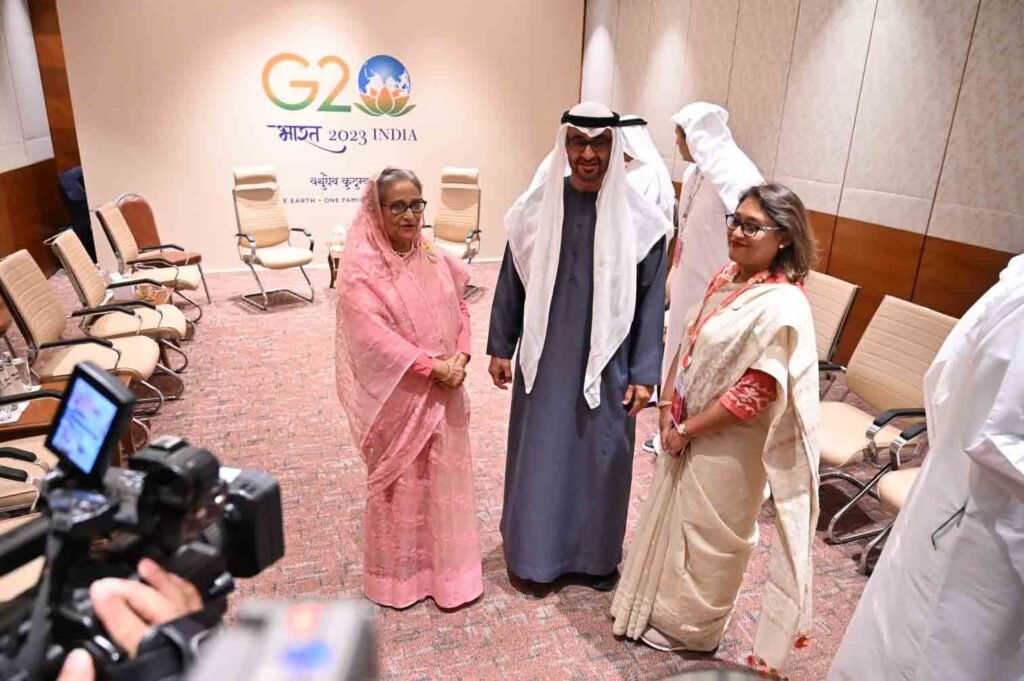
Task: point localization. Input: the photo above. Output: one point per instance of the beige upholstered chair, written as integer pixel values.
(263, 236)
(138, 215)
(886, 371)
(165, 324)
(40, 317)
(831, 300)
(17, 582)
(23, 464)
(457, 223)
(133, 268)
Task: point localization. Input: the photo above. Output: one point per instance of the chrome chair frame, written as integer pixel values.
(250, 297)
(868, 488)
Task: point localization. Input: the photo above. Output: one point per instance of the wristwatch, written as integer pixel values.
(681, 429)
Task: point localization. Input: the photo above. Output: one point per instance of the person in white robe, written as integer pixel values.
(946, 600)
(718, 174)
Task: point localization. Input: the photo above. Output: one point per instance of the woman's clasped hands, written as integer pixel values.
(672, 442)
(450, 372)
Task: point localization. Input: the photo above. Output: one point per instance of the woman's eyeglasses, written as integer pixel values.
(748, 228)
(399, 207)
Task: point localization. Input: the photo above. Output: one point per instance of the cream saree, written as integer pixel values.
(685, 568)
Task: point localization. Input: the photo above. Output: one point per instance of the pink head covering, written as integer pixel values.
(392, 310)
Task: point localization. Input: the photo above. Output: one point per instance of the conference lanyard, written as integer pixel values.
(697, 325)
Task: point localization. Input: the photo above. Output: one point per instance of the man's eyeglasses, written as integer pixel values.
(399, 207)
(748, 228)
(578, 144)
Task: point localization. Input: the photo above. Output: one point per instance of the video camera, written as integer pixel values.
(174, 503)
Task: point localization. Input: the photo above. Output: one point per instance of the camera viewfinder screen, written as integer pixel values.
(87, 419)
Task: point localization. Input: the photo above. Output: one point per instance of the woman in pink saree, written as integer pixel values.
(402, 346)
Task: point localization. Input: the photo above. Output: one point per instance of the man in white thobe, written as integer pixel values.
(719, 174)
(946, 600)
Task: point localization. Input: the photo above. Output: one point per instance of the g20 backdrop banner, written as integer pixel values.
(327, 91)
(384, 89)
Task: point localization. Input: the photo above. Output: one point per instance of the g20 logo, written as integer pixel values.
(384, 84)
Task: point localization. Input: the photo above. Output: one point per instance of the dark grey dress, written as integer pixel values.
(569, 467)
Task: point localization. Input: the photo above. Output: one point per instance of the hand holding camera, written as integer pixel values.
(127, 609)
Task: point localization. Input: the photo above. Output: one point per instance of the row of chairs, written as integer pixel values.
(886, 371)
(118, 331)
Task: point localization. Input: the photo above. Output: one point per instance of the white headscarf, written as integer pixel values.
(638, 144)
(718, 158)
(628, 226)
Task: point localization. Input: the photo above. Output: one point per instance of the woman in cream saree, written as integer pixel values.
(750, 347)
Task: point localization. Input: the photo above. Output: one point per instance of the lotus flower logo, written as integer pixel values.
(384, 87)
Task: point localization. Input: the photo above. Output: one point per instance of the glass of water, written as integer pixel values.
(23, 381)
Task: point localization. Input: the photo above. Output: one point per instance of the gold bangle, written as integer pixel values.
(681, 429)
(664, 403)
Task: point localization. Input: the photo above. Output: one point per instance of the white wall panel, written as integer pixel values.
(663, 90)
(913, 74)
(760, 68)
(980, 199)
(631, 49)
(829, 53)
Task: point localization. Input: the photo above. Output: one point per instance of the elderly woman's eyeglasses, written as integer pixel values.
(748, 228)
(578, 144)
(399, 207)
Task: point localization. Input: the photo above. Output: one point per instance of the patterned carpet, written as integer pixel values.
(261, 394)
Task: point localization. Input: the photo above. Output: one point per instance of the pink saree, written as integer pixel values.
(420, 531)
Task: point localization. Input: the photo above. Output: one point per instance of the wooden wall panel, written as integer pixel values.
(31, 210)
(824, 227)
(54, 76)
(954, 275)
(882, 260)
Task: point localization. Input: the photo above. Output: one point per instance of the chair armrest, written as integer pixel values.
(77, 341)
(881, 421)
(83, 341)
(150, 249)
(153, 261)
(886, 416)
(306, 232)
(134, 303)
(17, 454)
(15, 474)
(824, 365)
(252, 245)
(28, 397)
(90, 311)
(134, 282)
(907, 436)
